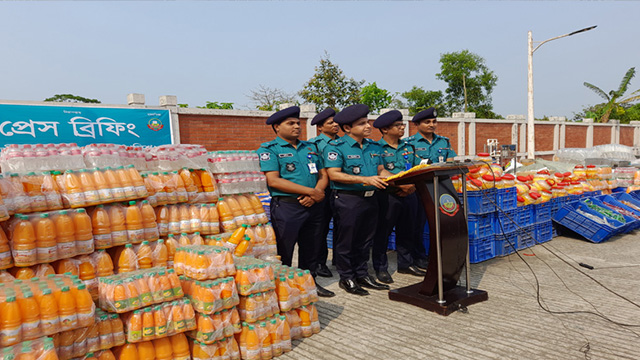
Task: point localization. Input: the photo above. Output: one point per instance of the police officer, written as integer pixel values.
(434, 148)
(356, 172)
(328, 130)
(296, 180)
(398, 208)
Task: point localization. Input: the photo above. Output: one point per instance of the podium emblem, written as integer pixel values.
(448, 205)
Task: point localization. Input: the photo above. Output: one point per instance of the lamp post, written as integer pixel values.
(531, 139)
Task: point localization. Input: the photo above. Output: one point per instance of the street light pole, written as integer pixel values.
(531, 136)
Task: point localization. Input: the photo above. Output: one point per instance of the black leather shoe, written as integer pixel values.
(422, 263)
(324, 271)
(322, 292)
(368, 282)
(351, 287)
(384, 277)
(412, 270)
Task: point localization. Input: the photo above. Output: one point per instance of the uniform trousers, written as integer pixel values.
(355, 218)
(327, 214)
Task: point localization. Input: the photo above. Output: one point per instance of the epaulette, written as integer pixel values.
(268, 143)
(336, 142)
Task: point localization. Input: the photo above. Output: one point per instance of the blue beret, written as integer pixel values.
(351, 114)
(430, 113)
(322, 116)
(282, 115)
(387, 119)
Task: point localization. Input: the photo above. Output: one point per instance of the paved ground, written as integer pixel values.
(511, 324)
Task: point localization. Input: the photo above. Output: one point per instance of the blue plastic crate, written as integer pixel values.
(572, 199)
(480, 201)
(590, 229)
(629, 224)
(554, 231)
(505, 221)
(507, 198)
(619, 189)
(543, 232)
(505, 244)
(627, 197)
(526, 237)
(542, 212)
(556, 204)
(480, 226)
(481, 249)
(608, 199)
(525, 215)
(635, 194)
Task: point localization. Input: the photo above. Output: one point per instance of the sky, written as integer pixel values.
(220, 51)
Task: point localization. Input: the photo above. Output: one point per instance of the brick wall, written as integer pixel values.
(544, 137)
(626, 136)
(575, 136)
(601, 135)
(502, 132)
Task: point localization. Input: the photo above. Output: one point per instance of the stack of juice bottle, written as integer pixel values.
(254, 276)
(217, 326)
(265, 339)
(226, 348)
(210, 296)
(177, 219)
(202, 262)
(38, 349)
(176, 156)
(37, 307)
(106, 332)
(258, 306)
(6, 259)
(303, 321)
(158, 321)
(98, 355)
(121, 224)
(82, 267)
(113, 154)
(236, 210)
(185, 185)
(137, 289)
(258, 241)
(295, 287)
(174, 347)
(47, 237)
(30, 192)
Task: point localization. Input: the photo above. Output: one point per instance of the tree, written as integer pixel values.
(216, 105)
(469, 83)
(268, 99)
(329, 87)
(183, 105)
(419, 99)
(374, 97)
(615, 105)
(71, 99)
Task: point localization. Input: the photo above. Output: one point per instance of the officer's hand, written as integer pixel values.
(377, 181)
(306, 201)
(317, 195)
(407, 189)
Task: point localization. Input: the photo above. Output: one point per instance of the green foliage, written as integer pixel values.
(71, 99)
(329, 87)
(374, 97)
(183, 105)
(419, 99)
(216, 105)
(625, 113)
(616, 105)
(478, 80)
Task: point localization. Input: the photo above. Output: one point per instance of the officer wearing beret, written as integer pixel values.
(398, 208)
(434, 148)
(328, 130)
(296, 179)
(355, 168)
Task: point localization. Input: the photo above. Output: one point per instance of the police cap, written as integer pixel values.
(429, 113)
(387, 119)
(351, 114)
(282, 115)
(322, 116)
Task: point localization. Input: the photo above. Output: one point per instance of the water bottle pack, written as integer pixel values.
(217, 326)
(230, 161)
(211, 296)
(158, 321)
(100, 155)
(202, 262)
(40, 157)
(177, 156)
(241, 182)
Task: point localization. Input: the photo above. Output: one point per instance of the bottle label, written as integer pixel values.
(162, 197)
(66, 249)
(66, 351)
(134, 302)
(215, 227)
(91, 283)
(22, 202)
(129, 192)
(141, 191)
(240, 219)
(151, 233)
(174, 227)
(182, 196)
(47, 253)
(105, 194)
(118, 193)
(192, 195)
(92, 196)
(10, 336)
(146, 298)
(5, 258)
(68, 322)
(121, 304)
(161, 330)
(180, 325)
(76, 199)
(25, 257)
(102, 241)
(84, 246)
(106, 339)
(93, 343)
(85, 318)
(167, 294)
(38, 201)
(185, 225)
(229, 224)
(50, 326)
(31, 328)
(195, 224)
(134, 335)
(135, 236)
(148, 332)
(205, 226)
(53, 200)
(163, 228)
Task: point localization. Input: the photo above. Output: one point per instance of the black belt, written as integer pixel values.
(287, 199)
(365, 193)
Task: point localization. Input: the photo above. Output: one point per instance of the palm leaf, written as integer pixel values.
(597, 90)
(625, 81)
(630, 99)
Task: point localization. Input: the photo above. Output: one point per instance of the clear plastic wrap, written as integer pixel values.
(210, 296)
(159, 321)
(202, 262)
(253, 276)
(215, 327)
(41, 157)
(174, 347)
(38, 349)
(258, 306)
(227, 346)
(295, 287)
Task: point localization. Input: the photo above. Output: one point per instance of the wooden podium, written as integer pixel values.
(449, 242)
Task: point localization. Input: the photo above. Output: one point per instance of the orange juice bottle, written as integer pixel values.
(177, 317)
(253, 343)
(102, 185)
(134, 328)
(205, 328)
(127, 183)
(305, 321)
(257, 207)
(104, 264)
(207, 181)
(162, 220)
(247, 210)
(170, 188)
(149, 221)
(189, 184)
(106, 355)
(181, 191)
(65, 230)
(73, 189)
(117, 189)
(117, 327)
(205, 219)
(236, 210)
(160, 254)
(87, 274)
(65, 348)
(138, 182)
(6, 260)
(129, 352)
(189, 314)
(194, 218)
(23, 241)
(227, 221)
(265, 341)
(83, 232)
(157, 182)
(101, 227)
(30, 315)
(174, 219)
(242, 247)
(185, 218)
(67, 310)
(180, 347)
(196, 239)
(275, 337)
(146, 351)
(286, 334)
(10, 322)
(47, 246)
(142, 286)
(164, 351)
(33, 187)
(172, 245)
(159, 322)
(49, 321)
(135, 230)
(106, 333)
(214, 219)
(127, 261)
(51, 191)
(91, 196)
(66, 266)
(118, 228)
(237, 235)
(21, 199)
(184, 240)
(148, 325)
(85, 307)
(144, 256)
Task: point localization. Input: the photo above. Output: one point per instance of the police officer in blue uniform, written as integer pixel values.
(357, 175)
(398, 207)
(433, 148)
(296, 179)
(328, 130)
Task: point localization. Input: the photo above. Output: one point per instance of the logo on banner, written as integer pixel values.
(155, 124)
(448, 205)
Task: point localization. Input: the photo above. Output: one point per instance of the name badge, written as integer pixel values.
(353, 156)
(421, 149)
(285, 155)
(312, 168)
(369, 193)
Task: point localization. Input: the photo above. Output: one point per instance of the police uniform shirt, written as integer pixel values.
(299, 165)
(398, 159)
(440, 146)
(346, 153)
(321, 141)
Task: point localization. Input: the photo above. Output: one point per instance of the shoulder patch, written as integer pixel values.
(265, 156)
(332, 155)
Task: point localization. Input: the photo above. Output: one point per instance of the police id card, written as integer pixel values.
(312, 168)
